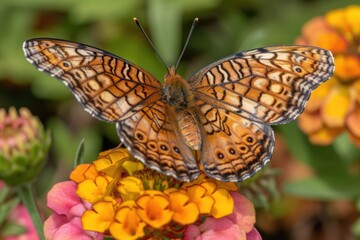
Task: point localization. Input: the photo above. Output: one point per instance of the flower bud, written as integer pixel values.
(23, 146)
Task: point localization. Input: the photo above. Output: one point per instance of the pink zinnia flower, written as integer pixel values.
(65, 222)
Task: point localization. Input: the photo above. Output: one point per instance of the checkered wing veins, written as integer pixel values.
(241, 95)
(115, 90)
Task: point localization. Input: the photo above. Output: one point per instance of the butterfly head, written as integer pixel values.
(176, 91)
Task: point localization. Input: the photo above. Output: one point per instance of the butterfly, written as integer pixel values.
(223, 112)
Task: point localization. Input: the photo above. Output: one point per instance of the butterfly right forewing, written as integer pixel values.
(272, 84)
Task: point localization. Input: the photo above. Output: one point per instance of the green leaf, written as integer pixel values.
(346, 150)
(324, 160)
(357, 203)
(340, 186)
(65, 142)
(13, 229)
(46, 87)
(198, 5)
(261, 189)
(6, 208)
(79, 157)
(85, 10)
(355, 228)
(296, 142)
(3, 193)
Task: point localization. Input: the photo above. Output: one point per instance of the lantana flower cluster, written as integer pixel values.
(118, 197)
(334, 107)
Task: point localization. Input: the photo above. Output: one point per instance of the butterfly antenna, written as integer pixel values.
(151, 44)
(187, 41)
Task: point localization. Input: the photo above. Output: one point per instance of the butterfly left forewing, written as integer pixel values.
(108, 87)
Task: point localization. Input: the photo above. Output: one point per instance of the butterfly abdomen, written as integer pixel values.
(178, 95)
(189, 129)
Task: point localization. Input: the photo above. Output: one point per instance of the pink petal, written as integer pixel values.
(244, 212)
(62, 197)
(221, 229)
(73, 230)
(77, 210)
(253, 235)
(53, 223)
(21, 216)
(192, 232)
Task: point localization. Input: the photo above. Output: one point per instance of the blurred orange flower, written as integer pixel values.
(334, 107)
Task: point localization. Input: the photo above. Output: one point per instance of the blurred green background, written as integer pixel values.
(323, 206)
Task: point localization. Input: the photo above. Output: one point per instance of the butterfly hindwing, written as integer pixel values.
(234, 147)
(153, 137)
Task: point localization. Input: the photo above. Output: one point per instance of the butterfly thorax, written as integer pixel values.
(178, 95)
(176, 91)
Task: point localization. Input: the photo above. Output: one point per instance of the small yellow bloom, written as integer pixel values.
(346, 20)
(91, 191)
(185, 212)
(197, 194)
(110, 161)
(82, 172)
(209, 186)
(317, 97)
(224, 203)
(132, 166)
(100, 218)
(354, 122)
(310, 123)
(336, 107)
(332, 41)
(153, 208)
(229, 186)
(128, 224)
(325, 135)
(347, 67)
(130, 188)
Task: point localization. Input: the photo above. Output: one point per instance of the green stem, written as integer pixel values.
(27, 198)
